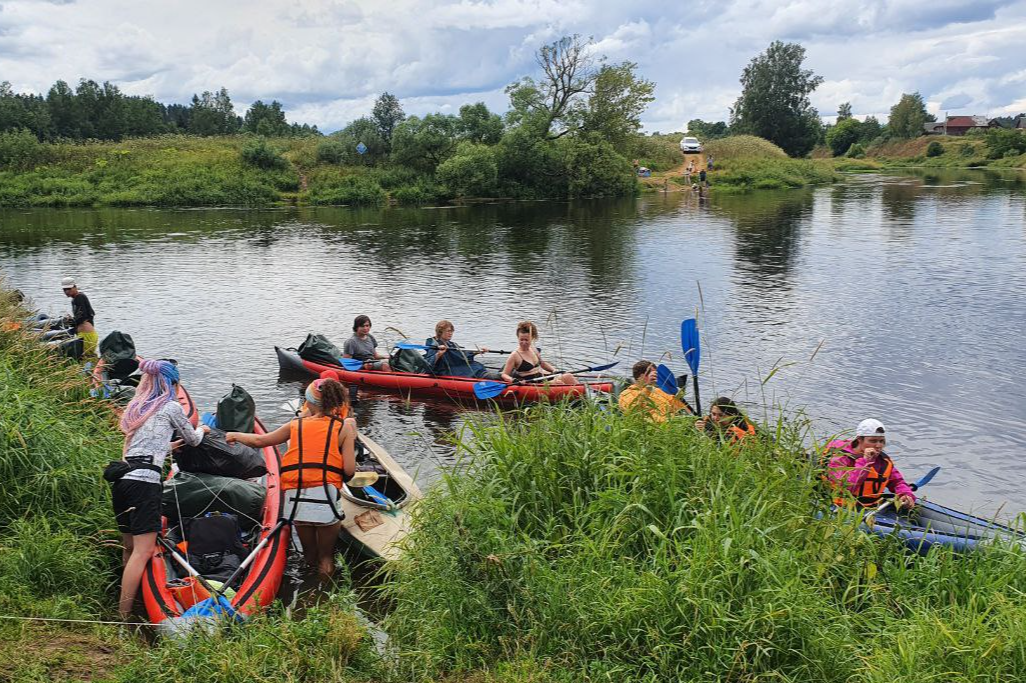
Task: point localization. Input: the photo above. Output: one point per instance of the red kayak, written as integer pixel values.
(162, 589)
(455, 388)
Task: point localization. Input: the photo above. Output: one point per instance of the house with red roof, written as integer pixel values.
(960, 125)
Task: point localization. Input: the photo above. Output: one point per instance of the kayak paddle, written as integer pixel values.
(487, 389)
(923, 481)
(692, 347)
(666, 381)
(425, 347)
(352, 364)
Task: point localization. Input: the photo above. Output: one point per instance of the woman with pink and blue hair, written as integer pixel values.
(149, 422)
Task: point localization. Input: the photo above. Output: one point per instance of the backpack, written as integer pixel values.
(317, 349)
(214, 455)
(236, 411)
(117, 350)
(408, 360)
(215, 547)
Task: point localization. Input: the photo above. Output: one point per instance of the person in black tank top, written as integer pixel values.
(526, 363)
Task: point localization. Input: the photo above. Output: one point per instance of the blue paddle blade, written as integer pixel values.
(600, 368)
(666, 381)
(690, 344)
(485, 390)
(209, 419)
(411, 345)
(378, 497)
(351, 363)
(926, 478)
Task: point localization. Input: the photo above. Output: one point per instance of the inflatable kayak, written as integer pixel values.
(930, 524)
(378, 516)
(174, 598)
(455, 388)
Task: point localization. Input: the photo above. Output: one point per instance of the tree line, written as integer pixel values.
(92, 111)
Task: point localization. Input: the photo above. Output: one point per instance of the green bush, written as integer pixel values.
(470, 172)
(19, 150)
(856, 151)
(842, 136)
(1000, 141)
(934, 149)
(967, 150)
(423, 192)
(330, 151)
(594, 169)
(345, 189)
(261, 154)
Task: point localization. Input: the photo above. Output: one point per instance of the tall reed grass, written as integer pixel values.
(593, 546)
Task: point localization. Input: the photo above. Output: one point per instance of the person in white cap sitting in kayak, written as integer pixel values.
(81, 317)
(861, 468)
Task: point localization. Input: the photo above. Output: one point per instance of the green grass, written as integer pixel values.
(744, 163)
(591, 546)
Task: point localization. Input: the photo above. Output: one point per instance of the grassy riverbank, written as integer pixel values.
(587, 546)
(933, 151)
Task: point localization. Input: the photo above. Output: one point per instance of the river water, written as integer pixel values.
(911, 286)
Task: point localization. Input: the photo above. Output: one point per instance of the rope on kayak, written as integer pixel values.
(79, 621)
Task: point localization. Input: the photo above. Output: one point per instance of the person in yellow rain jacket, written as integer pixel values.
(645, 395)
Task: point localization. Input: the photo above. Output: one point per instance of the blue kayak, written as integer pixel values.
(934, 524)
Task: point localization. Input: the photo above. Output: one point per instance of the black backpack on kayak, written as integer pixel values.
(214, 455)
(408, 360)
(117, 350)
(236, 411)
(317, 349)
(215, 547)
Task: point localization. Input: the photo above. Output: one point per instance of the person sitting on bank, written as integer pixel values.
(327, 435)
(645, 396)
(446, 357)
(150, 422)
(861, 468)
(525, 363)
(81, 318)
(726, 422)
(363, 346)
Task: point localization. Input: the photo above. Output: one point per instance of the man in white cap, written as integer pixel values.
(861, 467)
(81, 315)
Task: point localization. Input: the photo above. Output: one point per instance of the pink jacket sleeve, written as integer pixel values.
(843, 473)
(895, 483)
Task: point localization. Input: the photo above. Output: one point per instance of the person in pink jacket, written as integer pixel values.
(861, 467)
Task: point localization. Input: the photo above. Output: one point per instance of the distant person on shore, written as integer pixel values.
(644, 395)
(726, 422)
(709, 162)
(363, 346)
(702, 181)
(687, 172)
(526, 362)
(446, 357)
(861, 468)
(150, 422)
(81, 318)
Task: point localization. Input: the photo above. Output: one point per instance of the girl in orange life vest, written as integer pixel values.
(861, 467)
(727, 421)
(321, 456)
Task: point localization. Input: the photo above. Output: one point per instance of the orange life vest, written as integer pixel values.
(314, 457)
(738, 434)
(875, 483)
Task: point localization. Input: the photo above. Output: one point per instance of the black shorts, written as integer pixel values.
(137, 506)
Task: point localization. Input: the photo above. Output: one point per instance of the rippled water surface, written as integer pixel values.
(914, 285)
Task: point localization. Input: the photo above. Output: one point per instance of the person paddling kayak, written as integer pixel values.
(363, 346)
(81, 317)
(648, 398)
(726, 422)
(526, 362)
(446, 357)
(861, 468)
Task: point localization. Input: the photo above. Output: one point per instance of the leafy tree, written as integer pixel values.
(529, 165)
(554, 106)
(363, 130)
(1002, 142)
(20, 149)
(64, 111)
(617, 101)
(387, 114)
(908, 116)
(177, 116)
(262, 155)
(844, 111)
(774, 101)
(28, 112)
(934, 149)
(213, 114)
(843, 135)
(425, 143)
(704, 130)
(477, 124)
(594, 169)
(870, 129)
(470, 172)
(267, 120)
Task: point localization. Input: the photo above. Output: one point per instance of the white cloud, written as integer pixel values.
(326, 60)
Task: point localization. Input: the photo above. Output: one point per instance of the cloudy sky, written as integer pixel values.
(326, 60)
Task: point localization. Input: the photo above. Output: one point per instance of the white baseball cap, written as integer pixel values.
(67, 283)
(870, 427)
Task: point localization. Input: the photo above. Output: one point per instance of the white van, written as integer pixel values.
(690, 145)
